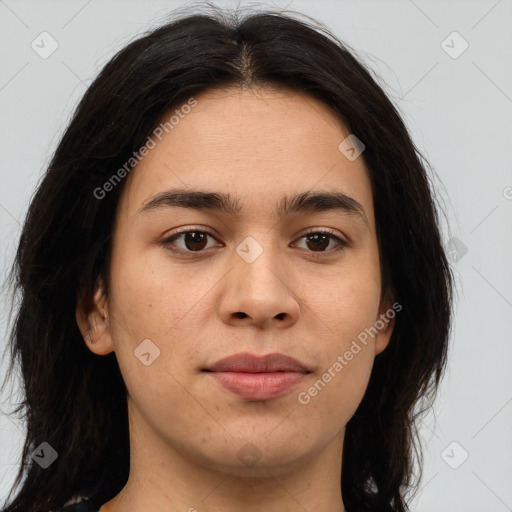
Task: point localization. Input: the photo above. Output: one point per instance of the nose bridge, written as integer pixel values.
(259, 288)
(260, 260)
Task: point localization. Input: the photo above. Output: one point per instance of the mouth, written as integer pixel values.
(257, 378)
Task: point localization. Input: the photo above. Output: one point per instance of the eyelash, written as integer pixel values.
(168, 242)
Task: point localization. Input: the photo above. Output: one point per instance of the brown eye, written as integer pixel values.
(319, 241)
(195, 241)
(192, 240)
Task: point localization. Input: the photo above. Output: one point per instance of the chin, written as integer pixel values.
(257, 454)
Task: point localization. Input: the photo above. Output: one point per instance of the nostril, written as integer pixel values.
(240, 314)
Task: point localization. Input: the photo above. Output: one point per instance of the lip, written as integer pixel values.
(257, 378)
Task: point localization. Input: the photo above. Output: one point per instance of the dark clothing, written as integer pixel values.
(80, 505)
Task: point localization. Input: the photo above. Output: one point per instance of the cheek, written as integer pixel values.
(348, 307)
(148, 332)
(156, 309)
(150, 295)
(335, 392)
(346, 315)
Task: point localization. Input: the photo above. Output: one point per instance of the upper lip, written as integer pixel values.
(249, 363)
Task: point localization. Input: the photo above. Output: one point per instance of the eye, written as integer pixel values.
(194, 240)
(318, 240)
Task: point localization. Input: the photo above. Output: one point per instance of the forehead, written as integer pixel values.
(258, 145)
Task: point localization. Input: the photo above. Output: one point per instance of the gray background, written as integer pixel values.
(458, 111)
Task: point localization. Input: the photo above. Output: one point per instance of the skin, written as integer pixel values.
(186, 430)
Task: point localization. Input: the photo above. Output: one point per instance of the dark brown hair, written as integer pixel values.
(76, 400)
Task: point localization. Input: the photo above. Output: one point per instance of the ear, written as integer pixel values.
(385, 324)
(94, 322)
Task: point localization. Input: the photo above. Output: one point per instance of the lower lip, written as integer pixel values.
(258, 386)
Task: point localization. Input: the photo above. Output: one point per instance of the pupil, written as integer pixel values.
(189, 239)
(316, 239)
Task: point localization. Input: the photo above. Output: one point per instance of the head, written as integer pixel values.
(204, 201)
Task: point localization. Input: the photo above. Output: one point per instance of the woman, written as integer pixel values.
(233, 288)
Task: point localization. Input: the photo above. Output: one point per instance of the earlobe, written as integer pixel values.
(385, 325)
(94, 324)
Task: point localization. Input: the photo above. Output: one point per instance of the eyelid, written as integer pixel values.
(186, 229)
(327, 231)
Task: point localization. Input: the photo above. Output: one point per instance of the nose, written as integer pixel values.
(261, 293)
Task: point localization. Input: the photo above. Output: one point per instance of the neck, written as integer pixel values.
(164, 479)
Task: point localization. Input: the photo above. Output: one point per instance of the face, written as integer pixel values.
(191, 286)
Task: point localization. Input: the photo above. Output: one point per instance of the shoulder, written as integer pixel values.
(79, 504)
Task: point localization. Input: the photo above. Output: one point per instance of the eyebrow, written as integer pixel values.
(303, 202)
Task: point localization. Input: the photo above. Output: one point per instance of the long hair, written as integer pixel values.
(75, 400)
